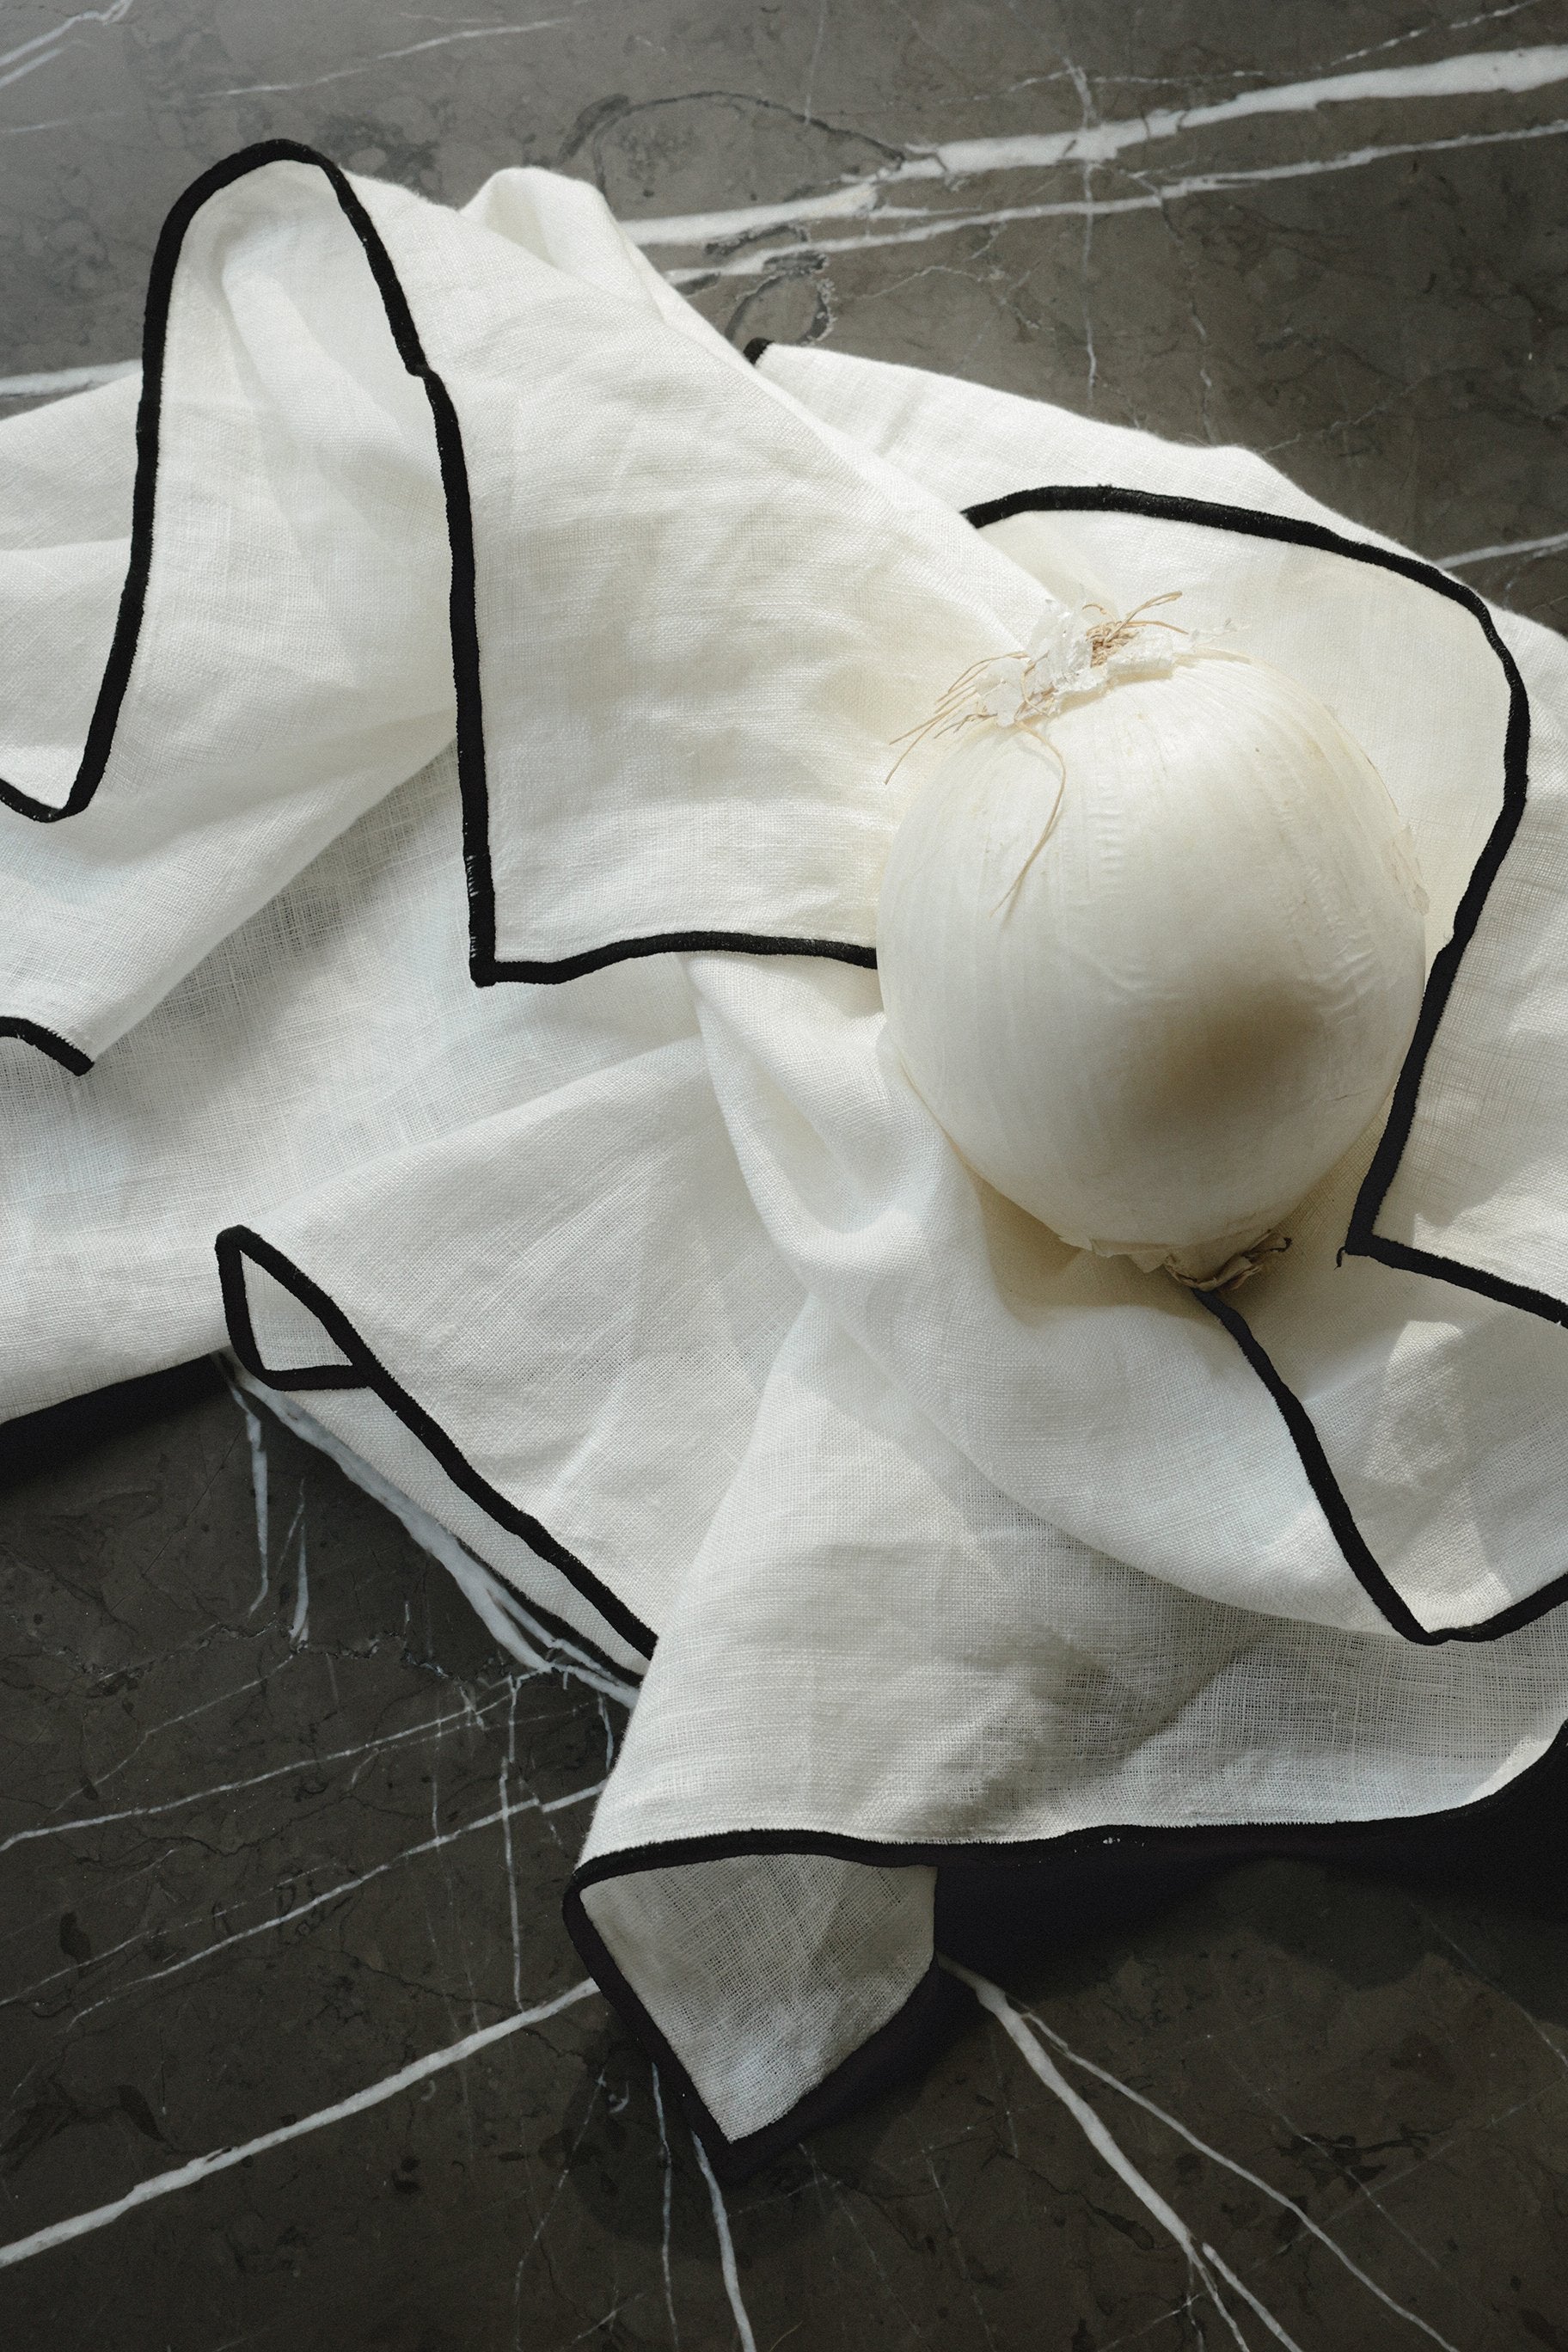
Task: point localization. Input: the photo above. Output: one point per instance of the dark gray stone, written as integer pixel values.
(255, 1864)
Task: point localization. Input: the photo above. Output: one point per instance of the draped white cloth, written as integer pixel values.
(447, 742)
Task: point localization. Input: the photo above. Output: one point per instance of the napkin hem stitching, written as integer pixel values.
(911, 2037)
(365, 1368)
(131, 610)
(765, 943)
(486, 967)
(1357, 1553)
(47, 1041)
(912, 2034)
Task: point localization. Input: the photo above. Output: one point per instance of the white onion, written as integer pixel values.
(1154, 961)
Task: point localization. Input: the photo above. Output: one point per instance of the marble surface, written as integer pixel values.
(293, 2042)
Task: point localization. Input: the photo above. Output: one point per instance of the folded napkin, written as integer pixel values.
(449, 758)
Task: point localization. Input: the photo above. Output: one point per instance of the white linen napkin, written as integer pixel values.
(449, 753)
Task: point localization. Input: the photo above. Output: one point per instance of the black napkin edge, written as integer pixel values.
(235, 1245)
(1497, 1837)
(486, 967)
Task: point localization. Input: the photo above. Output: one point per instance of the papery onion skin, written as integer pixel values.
(1202, 988)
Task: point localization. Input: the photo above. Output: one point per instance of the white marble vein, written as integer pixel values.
(502, 1610)
(44, 48)
(202, 2168)
(809, 100)
(1206, 2266)
(257, 1441)
(921, 225)
(667, 2166)
(508, 1766)
(430, 1728)
(1552, 544)
(438, 1843)
(386, 56)
(40, 385)
(542, 2222)
(574, 1796)
(1420, 29)
(290, 1532)
(1482, 73)
(1487, 72)
(964, 2272)
(1363, 2192)
(1229, 2164)
(169, 1723)
(726, 2251)
(299, 1625)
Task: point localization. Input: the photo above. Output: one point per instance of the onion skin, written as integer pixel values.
(1202, 987)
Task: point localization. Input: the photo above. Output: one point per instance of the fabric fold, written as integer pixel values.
(909, 1673)
(277, 655)
(570, 1304)
(494, 623)
(698, 620)
(373, 436)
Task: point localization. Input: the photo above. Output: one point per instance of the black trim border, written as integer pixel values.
(756, 943)
(486, 968)
(909, 2039)
(365, 1368)
(1358, 1554)
(935, 2010)
(48, 1041)
(555, 1629)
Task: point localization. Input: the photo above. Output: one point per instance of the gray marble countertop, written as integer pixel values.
(282, 1837)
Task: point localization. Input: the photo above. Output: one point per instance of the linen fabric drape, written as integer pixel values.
(449, 755)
